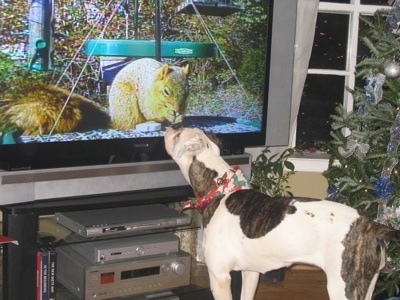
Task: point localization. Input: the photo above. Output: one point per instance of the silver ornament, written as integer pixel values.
(392, 69)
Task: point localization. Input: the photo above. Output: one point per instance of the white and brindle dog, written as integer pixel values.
(248, 231)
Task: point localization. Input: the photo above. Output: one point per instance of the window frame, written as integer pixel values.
(318, 162)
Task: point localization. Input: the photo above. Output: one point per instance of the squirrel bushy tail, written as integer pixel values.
(42, 108)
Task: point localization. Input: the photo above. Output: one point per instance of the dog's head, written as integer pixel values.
(186, 144)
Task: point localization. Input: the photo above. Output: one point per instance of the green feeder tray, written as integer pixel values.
(142, 48)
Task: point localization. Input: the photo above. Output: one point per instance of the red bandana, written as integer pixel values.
(223, 186)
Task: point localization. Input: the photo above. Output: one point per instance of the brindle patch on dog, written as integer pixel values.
(361, 246)
(209, 212)
(201, 178)
(259, 213)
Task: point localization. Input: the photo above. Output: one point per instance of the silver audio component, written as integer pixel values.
(121, 278)
(121, 220)
(105, 251)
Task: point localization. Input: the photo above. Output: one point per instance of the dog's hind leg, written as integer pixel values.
(249, 285)
(220, 284)
(335, 283)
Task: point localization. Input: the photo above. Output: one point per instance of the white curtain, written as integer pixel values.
(307, 11)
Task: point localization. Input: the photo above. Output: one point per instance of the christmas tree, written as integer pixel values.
(363, 166)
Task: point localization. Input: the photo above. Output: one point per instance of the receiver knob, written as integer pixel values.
(140, 250)
(178, 267)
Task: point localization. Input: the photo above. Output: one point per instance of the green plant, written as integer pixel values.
(270, 174)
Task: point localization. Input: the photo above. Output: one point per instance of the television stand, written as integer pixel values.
(27, 195)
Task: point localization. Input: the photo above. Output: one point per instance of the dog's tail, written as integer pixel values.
(387, 234)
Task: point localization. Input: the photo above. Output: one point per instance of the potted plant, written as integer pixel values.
(270, 174)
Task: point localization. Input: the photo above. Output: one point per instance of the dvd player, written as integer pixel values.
(100, 222)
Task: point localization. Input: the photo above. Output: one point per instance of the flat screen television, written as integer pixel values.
(86, 82)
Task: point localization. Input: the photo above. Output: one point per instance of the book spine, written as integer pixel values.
(52, 274)
(45, 274)
(38, 275)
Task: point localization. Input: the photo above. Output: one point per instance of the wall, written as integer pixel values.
(308, 184)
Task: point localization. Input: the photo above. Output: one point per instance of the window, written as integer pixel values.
(335, 53)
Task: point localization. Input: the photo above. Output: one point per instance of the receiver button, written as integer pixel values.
(178, 267)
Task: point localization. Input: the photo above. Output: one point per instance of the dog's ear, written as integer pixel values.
(195, 145)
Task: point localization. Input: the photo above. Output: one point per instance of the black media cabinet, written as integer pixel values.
(27, 195)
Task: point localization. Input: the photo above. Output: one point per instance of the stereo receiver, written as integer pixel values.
(121, 278)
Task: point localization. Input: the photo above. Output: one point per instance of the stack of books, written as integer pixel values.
(46, 262)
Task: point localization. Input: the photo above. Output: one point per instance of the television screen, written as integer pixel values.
(95, 82)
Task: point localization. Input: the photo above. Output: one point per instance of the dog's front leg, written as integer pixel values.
(220, 284)
(249, 285)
